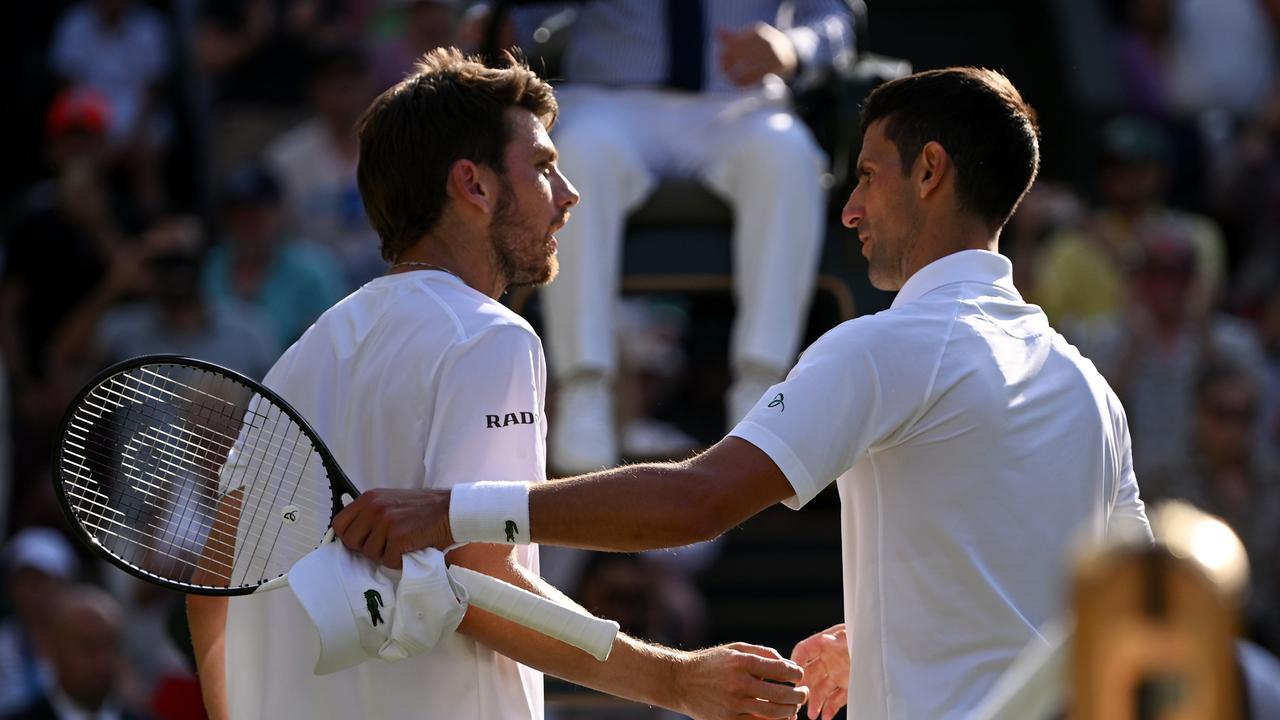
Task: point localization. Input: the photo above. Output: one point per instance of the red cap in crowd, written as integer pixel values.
(83, 109)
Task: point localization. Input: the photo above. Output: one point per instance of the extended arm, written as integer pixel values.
(642, 507)
(637, 507)
(721, 682)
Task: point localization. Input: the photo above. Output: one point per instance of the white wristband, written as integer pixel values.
(496, 512)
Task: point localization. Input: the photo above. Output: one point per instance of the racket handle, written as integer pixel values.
(587, 632)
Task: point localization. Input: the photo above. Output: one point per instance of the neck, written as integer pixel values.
(466, 255)
(940, 239)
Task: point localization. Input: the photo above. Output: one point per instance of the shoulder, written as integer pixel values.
(471, 316)
(894, 340)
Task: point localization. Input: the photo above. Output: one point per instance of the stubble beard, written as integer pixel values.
(887, 266)
(519, 261)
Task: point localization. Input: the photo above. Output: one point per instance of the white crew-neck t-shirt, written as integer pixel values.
(414, 380)
(970, 445)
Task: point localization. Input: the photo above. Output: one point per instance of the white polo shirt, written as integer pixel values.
(415, 380)
(970, 443)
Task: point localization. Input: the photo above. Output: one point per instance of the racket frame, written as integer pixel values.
(339, 483)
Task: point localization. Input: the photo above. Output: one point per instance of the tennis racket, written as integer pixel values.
(196, 478)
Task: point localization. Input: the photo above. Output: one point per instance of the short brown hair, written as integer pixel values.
(980, 118)
(451, 108)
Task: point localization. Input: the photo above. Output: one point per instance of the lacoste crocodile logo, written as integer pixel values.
(373, 601)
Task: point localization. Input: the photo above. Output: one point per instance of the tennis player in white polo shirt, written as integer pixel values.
(969, 441)
(420, 378)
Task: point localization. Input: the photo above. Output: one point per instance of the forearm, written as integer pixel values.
(207, 621)
(634, 671)
(642, 507)
(637, 507)
(631, 508)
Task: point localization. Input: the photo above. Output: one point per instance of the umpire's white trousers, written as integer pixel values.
(615, 145)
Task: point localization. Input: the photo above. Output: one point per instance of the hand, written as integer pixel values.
(384, 524)
(747, 55)
(825, 659)
(736, 680)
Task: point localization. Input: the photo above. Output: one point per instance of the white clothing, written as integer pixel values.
(1223, 56)
(971, 444)
(122, 63)
(747, 147)
(322, 200)
(415, 380)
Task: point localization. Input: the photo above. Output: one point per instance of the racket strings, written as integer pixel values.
(152, 457)
(255, 452)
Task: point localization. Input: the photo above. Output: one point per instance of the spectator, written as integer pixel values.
(172, 317)
(1157, 346)
(1225, 56)
(57, 243)
(291, 282)
(710, 104)
(316, 165)
(424, 25)
(1180, 58)
(1246, 197)
(120, 48)
(1082, 273)
(83, 647)
(1226, 473)
(1144, 34)
(256, 52)
(38, 564)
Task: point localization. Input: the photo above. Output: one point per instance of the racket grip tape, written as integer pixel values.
(587, 632)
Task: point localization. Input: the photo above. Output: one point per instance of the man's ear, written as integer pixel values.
(473, 185)
(932, 168)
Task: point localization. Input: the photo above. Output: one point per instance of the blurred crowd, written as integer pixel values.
(182, 179)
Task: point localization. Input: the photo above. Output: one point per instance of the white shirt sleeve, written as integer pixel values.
(488, 421)
(837, 403)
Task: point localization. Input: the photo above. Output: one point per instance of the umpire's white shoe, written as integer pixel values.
(583, 434)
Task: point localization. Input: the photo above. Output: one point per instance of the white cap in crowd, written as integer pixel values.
(43, 549)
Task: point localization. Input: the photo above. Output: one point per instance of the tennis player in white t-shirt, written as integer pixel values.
(421, 378)
(969, 441)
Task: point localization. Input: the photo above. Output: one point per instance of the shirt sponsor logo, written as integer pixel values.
(778, 403)
(501, 421)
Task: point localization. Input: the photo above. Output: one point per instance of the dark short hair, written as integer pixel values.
(451, 108)
(978, 116)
